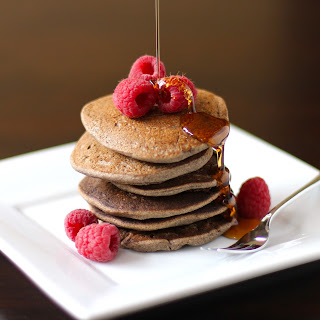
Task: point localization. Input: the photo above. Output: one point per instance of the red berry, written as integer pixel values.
(253, 199)
(77, 219)
(189, 84)
(98, 242)
(176, 93)
(134, 97)
(145, 68)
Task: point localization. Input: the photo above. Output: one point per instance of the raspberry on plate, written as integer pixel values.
(98, 242)
(77, 219)
(134, 97)
(145, 68)
(175, 93)
(253, 200)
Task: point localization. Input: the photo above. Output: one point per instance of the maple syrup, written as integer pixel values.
(207, 129)
(157, 12)
(213, 131)
(243, 226)
(162, 85)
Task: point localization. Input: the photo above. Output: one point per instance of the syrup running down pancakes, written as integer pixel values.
(150, 178)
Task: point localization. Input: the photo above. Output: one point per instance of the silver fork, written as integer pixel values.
(257, 239)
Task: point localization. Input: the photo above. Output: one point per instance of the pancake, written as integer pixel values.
(155, 137)
(110, 199)
(208, 211)
(170, 239)
(91, 158)
(197, 180)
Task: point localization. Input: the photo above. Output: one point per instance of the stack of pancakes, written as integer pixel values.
(150, 178)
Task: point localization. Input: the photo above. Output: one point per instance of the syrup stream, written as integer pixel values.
(203, 127)
(220, 157)
(162, 84)
(157, 12)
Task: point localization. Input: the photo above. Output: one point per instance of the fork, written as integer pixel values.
(257, 238)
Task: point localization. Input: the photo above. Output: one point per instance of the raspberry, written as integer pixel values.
(134, 97)
(77, 219)
(174, 93)
(253, 199)
(189, 84)
(98, 242)
(145, 68)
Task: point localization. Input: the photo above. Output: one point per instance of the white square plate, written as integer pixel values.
(38, 189)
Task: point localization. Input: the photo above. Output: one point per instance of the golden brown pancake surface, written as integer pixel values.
(155, 137)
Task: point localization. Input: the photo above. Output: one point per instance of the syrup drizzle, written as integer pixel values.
(213, 131)
(157, 12)
(162, 84)
(208, 129)
(244, 225)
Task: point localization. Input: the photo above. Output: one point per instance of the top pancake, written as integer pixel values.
(155, 137)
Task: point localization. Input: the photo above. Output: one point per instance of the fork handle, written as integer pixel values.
(289, 199)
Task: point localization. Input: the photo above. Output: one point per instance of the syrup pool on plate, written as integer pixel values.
(244, 226)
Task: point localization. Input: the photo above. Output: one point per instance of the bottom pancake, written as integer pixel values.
(171, 239)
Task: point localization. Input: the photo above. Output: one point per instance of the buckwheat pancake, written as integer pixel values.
(208, 211)
(170, 239)
(110, 199)
(155, 137)
(196, 180)
(91, 158)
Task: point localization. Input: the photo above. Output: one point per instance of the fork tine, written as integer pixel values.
(257, 238)
(241, 247)
(237, 245)
(250, 246)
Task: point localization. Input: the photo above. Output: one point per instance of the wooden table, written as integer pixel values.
(262, 57)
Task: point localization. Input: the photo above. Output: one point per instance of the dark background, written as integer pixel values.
(261, 56)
